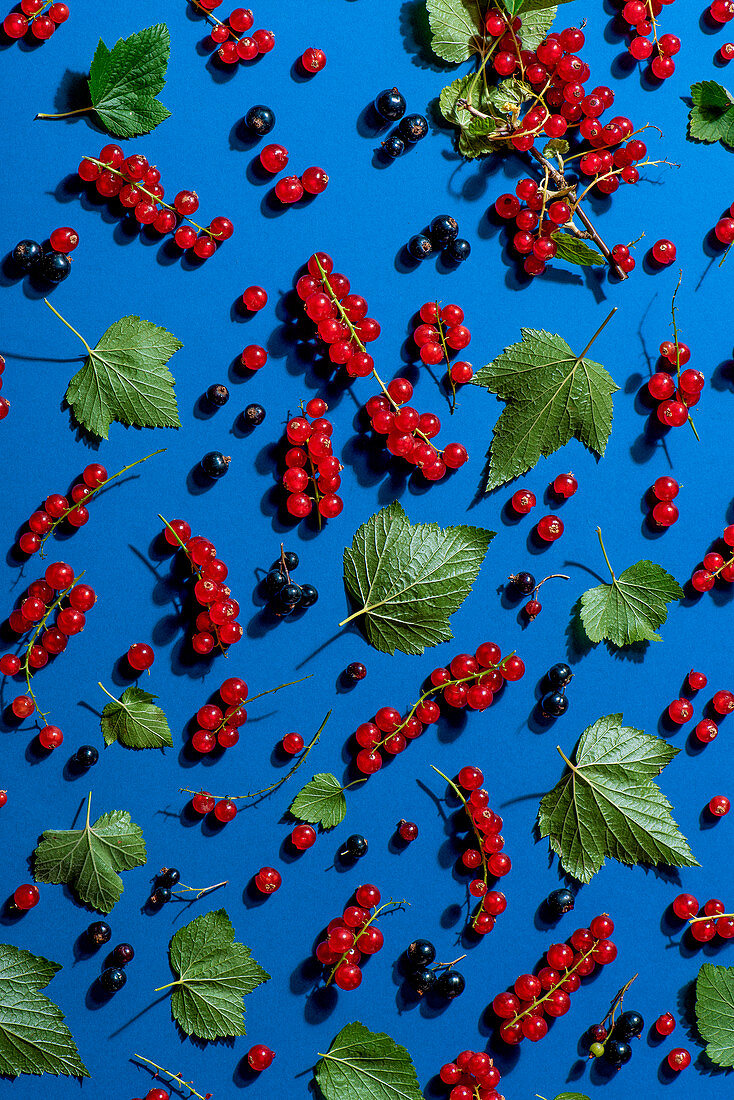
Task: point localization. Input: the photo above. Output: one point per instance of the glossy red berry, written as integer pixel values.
(679, 1058)
(523, 501)
(680, 711)
(565, 485)
(685, 906)
(64, 239)
(268, 880)
(255, 298)
(140, 656)
(26, 896)
(225, 810)
(408, 831)
(664, 252)
(274, 158)
(665, 1024)
(303, 837)
(549, 528)
(314, 180)
(723, 702)
(719, 805)
(313, 60)
(259, 1057)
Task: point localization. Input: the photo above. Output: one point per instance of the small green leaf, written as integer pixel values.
(89, 860)
(321, 802)
(456, 28)
(556, 149)
(632, 607)
(135, 721)
(124, 81)
(366, 1065)
(33, 1035)
(408, 579)
(712, 115)
(715, 1012)
(214, 975)
(574, 250)
(607, 805)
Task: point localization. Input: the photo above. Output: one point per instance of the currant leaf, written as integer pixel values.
(711, 117)
(456, 28)
(320, 802)
(551, 395)
(33, 1035)
(575, 251)
(135, 721)
(607, 805)
(536, 23)
(715, 1012)
(215, 974)
(366, 1065)
(124, 82)
(408, 579)
(89, 860)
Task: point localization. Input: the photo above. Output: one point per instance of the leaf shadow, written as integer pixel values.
(416, 33)
(72, 93)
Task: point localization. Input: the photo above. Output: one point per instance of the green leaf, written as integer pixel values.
(215, 974)
(33, 1035)
(408, 579)
(712, 115)
(135, 721)
(556, 149)
(321, 802)
(606, 803)
(125, 378)
(124, 81)
(456, 28)
(551, 395)
(715, 1012)
(632, 607)
(576, 251)
(498, 102)
(572, 1096)
(366, 1065)
(536, 23)
(89, 859)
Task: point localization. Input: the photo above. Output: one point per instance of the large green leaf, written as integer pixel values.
(606, 803)
(89, 859)
(551, 395)
(712, 115)
(407, 579)
(320, 802)
(632, 607)
(125, 378)
(366, 1065)
(715, 1012)
(135, 721)
(215, 974)
(124, 82)
(33, 1035)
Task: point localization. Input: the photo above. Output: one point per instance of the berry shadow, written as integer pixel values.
(96, 997)
(197, 481)
(257, 174)
(220, 72)
(243, 1075)
(708, 25)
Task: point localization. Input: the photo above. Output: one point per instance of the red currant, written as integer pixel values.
(26, 896)
(549, 528)
(719, 805)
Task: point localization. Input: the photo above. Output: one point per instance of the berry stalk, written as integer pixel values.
(25, 667)
(153, 198)
(479, 837)
(442, 337)
(173, 1076)
(610, 1018)
(396, 906)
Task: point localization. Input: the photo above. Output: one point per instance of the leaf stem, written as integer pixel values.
(602, 326)
(86, 345)
(104, 689)
(169, 986)
(89, 807)
(604, 552)
(67, 114)
(563, 756)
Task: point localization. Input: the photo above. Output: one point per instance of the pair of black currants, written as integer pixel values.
(442, 236)
(285, 597)
(554, 703)
(390, 106)
(441, 981)
(45, 264)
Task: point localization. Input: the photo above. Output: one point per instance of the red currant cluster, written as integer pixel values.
(663, 491)
(59, 592)
(707, 922)
(715, 566)
(4, 403)
(676, 395)
(136, 184)
(441, 333)
(290, 189)
(312, 472)
(230, 35)
(216, 622)
(484, 852)
(220, 725)
(469, 681)
(724, 228)
(340, 317)
(472, 1076)
(40, 16)
(408, 433)
(641, 17)
(547, 993)
(351, 937)
(680, 710)
(721, 11)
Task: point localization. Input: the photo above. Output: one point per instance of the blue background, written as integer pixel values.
(363, 219)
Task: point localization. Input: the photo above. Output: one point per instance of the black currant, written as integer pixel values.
(290, 557)
(390, 105)
(422, 980)
(560, 675)
(218, 395)
(273, 582)
(169, 876)
(628, 1025)
(215, 464)
(54, 267)
(99, 933)
(420, 246)
(355, 672)
(420, 952)
(290, 594)
(112, 979)
(280, 608)
(122, 954)
(554, 704)
(393, 146)
(443, 230)
(309, 596)
(450, 984)
(27, 255)
(260, 119)
(413, 128)
(524, 583)
(457, 251)
(617, 1053)
(86, 756)
(560, 901)
(355, 846)
(161, 895)
(254, 415)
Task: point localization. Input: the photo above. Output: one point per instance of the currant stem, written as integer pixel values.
(173, 1076)
(25, 666)
(714, 917)
(550, 577)
(86, 345)
(604, 552)
(442, 335)
(477, 834)
(199, 890)
(153, 198)
(363, 929)
(283, 566)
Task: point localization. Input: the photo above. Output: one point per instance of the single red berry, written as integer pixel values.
(50, 737)
(140, 656)
(268, 880)
(26, 896)
(254, 298)
(664, 252)
(680, 711)
(685, 906)
(64, 239)
(723, 702)
(203, 802)
(292, 743)
(719, 805)
(225, 810)
(565, 485)
(313, 60)
(679, 1058)
(549, 528)
(265, 41)
(259, 1057)
(303, 837)
(523, 501)
(696, 680)
(408, 831)
(706, 731)
(314, 180)
(665, 1024)
(254, 357)
(274, 158)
